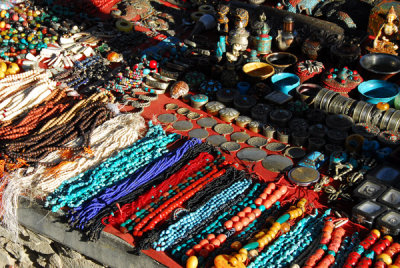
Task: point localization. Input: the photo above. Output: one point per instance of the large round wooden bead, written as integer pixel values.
(285, 227)
(179, 89)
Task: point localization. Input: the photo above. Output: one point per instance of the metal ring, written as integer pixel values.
(170, 74)
(322, 99)
(162, 78)
(357, 110)
(155, 83)
(385, 118)
(146, 88)
(318, 97)
(140, 104)
(393, 121)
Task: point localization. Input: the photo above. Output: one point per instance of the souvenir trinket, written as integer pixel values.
(345, 53)
(213, 107)
(380, 66)
(260, 112)
(171, 106)
(303, 176)
(222, 19)
(339, 121)
(240, 137)
(295, 152)
(167, 118)
(183, 111)
(229, 77)
(280, 117)
(228, 114)
(257, 142)
(194, 79)
(277, 163)
(198, 133)
(308, 69)
(253, 56)
(281, 61)
(198, 101)
(207, 122)
(230, 146)
(210, 87)
(390, 138)
(366, 130)
(255, 126)
(238, 39)
(336, 136)
(223, 129)
(283, 135)
(299, 137)
(251, 154)
(374, 91)
(182, 125)
(285, 82)
(264, 41)
(342, 81)
(367, 212)
(390, 198)
(313, 160)
(179, 89)
(258, 71)
(269, 131)
(275, 147)
(389, 223)
(311, 47)
(221, 47)
(259, 24)
(285, 37)
(216, 140)
(243, 121)
(243, 103)
(193, 116)
(383, 42)
(226, 95)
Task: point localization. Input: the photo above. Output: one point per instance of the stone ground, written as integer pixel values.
(33, 250)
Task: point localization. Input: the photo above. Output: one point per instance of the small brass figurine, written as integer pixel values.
(382, 41)
(223, 19)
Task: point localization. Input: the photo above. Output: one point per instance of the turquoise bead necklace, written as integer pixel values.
(283, 251)
(184, 225)
(77, 190)
(217, 223)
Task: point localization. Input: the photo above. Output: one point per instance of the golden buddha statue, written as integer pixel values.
(382, 42)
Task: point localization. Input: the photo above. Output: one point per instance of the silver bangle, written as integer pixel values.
(155, 83)
(148, 96)
(146, 88)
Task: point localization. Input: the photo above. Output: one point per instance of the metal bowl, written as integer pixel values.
(380, 66)
(281, 60)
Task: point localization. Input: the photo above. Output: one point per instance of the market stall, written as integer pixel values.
(204, 133)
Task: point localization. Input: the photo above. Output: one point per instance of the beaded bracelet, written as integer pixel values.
(346, 248)
(385, 259)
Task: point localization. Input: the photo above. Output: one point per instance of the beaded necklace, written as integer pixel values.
(289, 245)
(364, 245)
(242, 219)
(185, 224)
(82, 187)
(215, 228)
(385, 258)
(376, 249)
(263, 239)
(167, 190)
(346, 249)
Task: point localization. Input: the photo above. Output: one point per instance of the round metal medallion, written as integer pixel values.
(230, 146)
(171, 106)
(295, 152)
(182, 125)
(257, 141)
(223, 129)
(207, 122)
(216, 140)
(251, 154)
(303, 176)
(198, 133)
(275, 147)
(167, 118)
(277, 163)
(240, 136)
(193, 116)
(183, 111)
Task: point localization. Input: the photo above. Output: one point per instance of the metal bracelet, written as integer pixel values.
(155, 83)
(148, 96)
(140, 103)
(169, 73)
(146, 88)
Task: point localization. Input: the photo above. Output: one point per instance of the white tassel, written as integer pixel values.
(113, 107)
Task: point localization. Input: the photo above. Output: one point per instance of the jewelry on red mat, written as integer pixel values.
(333, 248)
(364, 245)
(385, 259)
(377, 248)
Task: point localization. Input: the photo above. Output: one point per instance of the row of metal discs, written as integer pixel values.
(274, 163)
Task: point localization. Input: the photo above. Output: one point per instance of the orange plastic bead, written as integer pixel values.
(241, 214)
(228, 224)
(210, 237)
(258, 201)
(236, 245)
(257, 212)
(238, 226)
(216, 242)
(267, 203)
(263, 196)
(235, 219)
(247, 209)
(283, 189)
(251, 216)
(221, 238)
(245, 221)
(204, 242)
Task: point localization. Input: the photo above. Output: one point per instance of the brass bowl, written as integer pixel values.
(380, 66)
(258, 70)
(281, 60)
